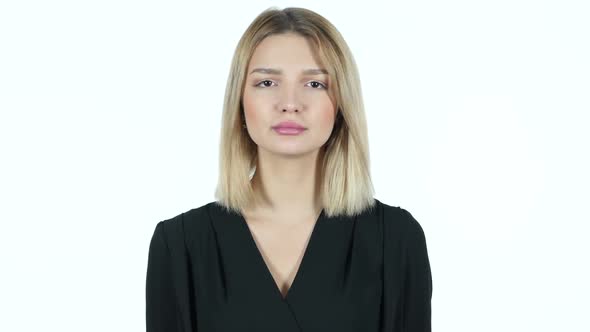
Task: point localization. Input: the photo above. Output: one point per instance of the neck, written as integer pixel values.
(287, 186)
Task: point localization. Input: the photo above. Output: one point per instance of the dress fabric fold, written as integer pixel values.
(370, 272)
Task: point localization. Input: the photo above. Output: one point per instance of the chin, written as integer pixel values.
(293, 150)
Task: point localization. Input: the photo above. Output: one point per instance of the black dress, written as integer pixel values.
(366, 273)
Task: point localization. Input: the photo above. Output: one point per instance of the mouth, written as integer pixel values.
(289, 125)
(288, 130)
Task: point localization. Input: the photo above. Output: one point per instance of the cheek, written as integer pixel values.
(250, 107)
(328, 116)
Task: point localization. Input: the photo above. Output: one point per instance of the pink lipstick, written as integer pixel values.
(289, 128)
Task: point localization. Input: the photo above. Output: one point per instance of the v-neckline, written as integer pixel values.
(266, 270)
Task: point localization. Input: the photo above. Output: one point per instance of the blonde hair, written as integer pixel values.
(345, 182)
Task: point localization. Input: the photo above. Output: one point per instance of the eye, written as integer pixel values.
(262, 82)
(316, 82)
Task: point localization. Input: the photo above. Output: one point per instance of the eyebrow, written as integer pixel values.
(274, 71)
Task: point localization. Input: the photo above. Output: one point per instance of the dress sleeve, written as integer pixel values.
(160, 297)
(418, 281)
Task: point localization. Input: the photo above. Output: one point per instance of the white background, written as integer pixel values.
(478, 113)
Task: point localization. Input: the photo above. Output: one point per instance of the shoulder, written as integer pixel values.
(399, 222)
(403, 236)
(184, 225)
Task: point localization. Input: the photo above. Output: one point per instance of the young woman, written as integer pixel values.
(295, 240)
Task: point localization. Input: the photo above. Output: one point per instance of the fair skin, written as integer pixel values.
(285, 178)
(285, 182)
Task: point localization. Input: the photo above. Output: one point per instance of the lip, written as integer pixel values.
(288, 131)
(289, 125)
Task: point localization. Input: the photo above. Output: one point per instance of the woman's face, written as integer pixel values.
(283, 84)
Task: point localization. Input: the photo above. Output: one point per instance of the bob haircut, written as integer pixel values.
(345, 186)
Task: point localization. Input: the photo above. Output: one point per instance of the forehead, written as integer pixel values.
(285, 51)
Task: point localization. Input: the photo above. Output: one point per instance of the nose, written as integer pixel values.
(289, 101)
(290, 108)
